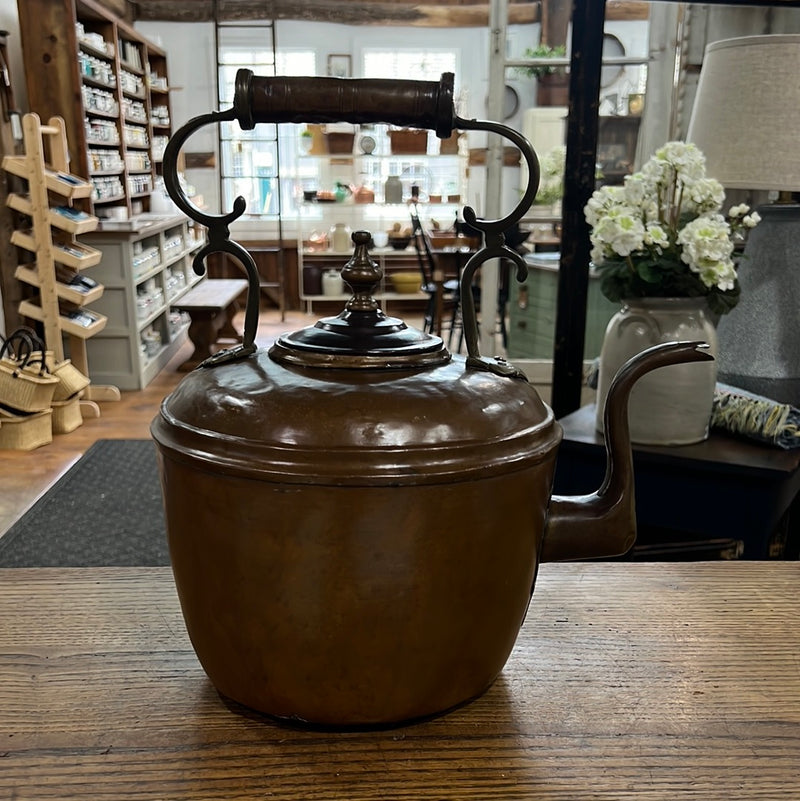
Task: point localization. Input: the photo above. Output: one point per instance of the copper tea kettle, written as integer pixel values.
(356, 516)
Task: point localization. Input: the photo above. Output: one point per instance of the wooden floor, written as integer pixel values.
(25, 475)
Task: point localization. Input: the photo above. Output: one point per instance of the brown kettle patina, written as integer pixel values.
(356, 516)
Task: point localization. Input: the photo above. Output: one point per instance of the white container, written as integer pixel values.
(340, 238)
(671, 405)
(393, 190)
(332, 283)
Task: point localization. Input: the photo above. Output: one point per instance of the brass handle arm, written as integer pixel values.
(418, 104)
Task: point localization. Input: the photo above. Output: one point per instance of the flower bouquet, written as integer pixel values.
(661, 246)
(662, 235)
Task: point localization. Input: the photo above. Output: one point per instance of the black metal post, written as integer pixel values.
(588, 18)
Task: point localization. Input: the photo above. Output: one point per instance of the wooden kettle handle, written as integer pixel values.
(417, 104)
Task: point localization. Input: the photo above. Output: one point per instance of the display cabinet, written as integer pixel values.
(324, 246)
(110, 86)
(144, 270)
(319, 275)
(349, 191)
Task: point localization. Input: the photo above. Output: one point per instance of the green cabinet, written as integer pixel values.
(532, 311)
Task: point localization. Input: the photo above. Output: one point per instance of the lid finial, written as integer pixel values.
(362, 275)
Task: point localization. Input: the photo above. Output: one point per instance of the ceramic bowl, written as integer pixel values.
(399, 242)
(405, 282)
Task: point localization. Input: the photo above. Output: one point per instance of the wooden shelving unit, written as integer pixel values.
(10, 144)
(59, 257)
(110, 85)
(65, 218)
(145, 270)
(65, 292)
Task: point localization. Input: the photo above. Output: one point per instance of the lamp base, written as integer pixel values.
(759, 341)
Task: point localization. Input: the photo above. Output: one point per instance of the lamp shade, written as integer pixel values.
(746, 112)
(745, 119)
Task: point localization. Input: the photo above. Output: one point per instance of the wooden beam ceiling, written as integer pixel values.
(432, 14)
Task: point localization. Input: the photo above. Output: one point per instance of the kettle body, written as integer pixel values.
(355, 578)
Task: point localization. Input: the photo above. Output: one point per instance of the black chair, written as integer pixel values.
(440, 293)
(514, 237)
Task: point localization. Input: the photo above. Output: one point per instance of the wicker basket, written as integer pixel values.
(408, 141)
(25, 389)
(443, 240)
(339, 141)
(479, 155)
(24, 432)
(70, 378)
(67, 414)
(449, 146)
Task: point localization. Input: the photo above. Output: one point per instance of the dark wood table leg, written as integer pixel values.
(227, 329)
(202, 333)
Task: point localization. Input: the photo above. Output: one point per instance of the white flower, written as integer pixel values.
(684, 157)
(551, 182)
(721, 275)
(706, 195)
(552, 163)
(664, 225)
(657, 236)
(638, 190)
(620, 232)
(707, 249)
(601, 202)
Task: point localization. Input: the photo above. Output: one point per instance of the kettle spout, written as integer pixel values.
(603, 523)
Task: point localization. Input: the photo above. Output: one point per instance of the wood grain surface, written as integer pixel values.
(629, 681)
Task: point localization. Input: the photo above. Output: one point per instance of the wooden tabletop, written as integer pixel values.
(629, 681)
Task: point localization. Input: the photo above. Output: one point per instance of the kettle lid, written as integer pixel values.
(362, 336)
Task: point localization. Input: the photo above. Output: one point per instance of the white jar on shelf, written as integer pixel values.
(340, 238)
(393, 190)
(332, 283)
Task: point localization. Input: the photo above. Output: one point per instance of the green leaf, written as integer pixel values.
(724, 302)
(649, 272)
(612, 287)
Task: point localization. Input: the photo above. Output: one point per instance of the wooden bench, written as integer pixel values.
(275, 291)
(211, 306)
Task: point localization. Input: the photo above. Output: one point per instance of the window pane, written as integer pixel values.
(259, 194)
(249, 159)
(296, 62)
(423, 65)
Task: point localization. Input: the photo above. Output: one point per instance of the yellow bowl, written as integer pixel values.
(406, 282)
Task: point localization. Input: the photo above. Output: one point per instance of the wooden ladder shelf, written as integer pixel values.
(45, 167)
